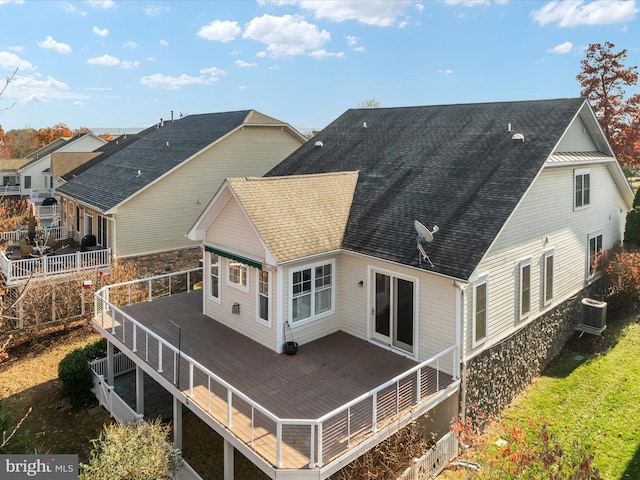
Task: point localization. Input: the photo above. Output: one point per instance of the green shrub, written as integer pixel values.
(632, 228)
(135, 451)
(96, 350)
(77, 380)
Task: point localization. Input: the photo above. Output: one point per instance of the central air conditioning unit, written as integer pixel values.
(594, 316)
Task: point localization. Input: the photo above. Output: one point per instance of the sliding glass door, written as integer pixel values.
(393, 311)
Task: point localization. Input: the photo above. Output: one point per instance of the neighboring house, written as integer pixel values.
(144, 192)
(9, 168)
(325, 250)
(36, 174)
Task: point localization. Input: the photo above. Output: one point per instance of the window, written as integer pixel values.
(238, 274)
(595, 250)
(77, 219)
(525, 288)
(263, 295)
(548, 277)
(214, 275)
(480, 317)
(27, 181)
(582, 188)
(102, 231)
(311, 291)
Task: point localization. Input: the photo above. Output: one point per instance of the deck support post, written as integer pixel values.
(177, 423)
(110, 380)
(228, 460)
(139, 390)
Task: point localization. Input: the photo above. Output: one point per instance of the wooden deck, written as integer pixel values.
(322, 376)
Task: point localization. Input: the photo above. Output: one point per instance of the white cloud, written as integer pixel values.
(446, 71)
(322, 54)
(101, 32)
(562, 48)
(155, 10)
(30, 89)
(129, 44)
(243, 64)
(11, 61)
(167, 82)
(352, 42)
(103, 4)
(72, 9)
(111, 61)
(7, 2)
(16, 48)
(571, 13)
(220, 31)
(164, 43)
(286, 35)
(380, 13)
(50, 44)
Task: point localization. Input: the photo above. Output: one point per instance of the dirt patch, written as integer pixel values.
(29, 379)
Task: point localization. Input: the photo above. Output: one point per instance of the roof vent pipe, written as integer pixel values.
(509, 128)
(171, 116)
(161, 122)
(364, 125)
(167, 143)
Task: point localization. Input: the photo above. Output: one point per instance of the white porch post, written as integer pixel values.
(110, 363)
(177, 423)
(228, 460)
(139, 390)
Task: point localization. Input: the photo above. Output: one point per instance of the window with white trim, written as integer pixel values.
(214, 276)
(237, 274)
(311, 291)
(547, 278)
(263, 295)
(595, 251)
(480, 310)
(582, 188)
(525, 288)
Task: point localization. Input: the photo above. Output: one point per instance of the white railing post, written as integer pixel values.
(278, 444)
(135, 338)
(159, 356)
(191, 379)
(312, 441)
(229, 408)
(150, 291)
(320, 444)
(374, 413)
(418, 385)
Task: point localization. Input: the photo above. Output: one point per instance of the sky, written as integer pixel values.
(108, 64)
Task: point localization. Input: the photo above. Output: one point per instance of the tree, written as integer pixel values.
(603, 79)
(49, 134)
(5, 142)
(26, 142)
(8, 80)
(371, 103)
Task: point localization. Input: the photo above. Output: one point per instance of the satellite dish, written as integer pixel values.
(424, 236)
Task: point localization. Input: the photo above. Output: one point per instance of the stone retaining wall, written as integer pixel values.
(167, 262)
(497, 375)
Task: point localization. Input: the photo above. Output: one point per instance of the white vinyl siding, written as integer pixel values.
(170, 207)
(545, 218)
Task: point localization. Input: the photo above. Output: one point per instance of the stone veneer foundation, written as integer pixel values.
(495, 376)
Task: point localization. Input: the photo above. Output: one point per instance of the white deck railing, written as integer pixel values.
(434, 461)
(10, 190)
(57, 233)
(323, 438)
(17, 271)
(47, 211)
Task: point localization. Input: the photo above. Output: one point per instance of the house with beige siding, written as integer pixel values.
(452, 242)
(142, 194)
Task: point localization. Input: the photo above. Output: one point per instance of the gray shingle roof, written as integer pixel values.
(128, 170)
(455, 166)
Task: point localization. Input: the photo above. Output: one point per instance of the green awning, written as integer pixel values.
(233, 256)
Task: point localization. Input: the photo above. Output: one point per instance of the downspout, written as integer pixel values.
(460, 288)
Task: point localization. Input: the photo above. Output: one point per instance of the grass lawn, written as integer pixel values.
(592, 398)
